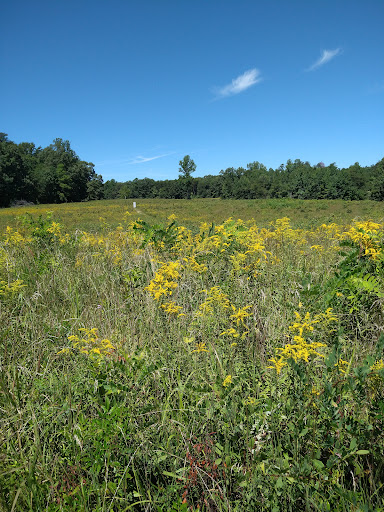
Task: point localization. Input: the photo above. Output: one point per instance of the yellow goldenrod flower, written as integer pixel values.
(11, 288)
(227, 381)
(230, 332)
(278, 364)
(164, 281)
(239, 314)
(171, 308)
(378, 365)
(342, 365)
(301, 349)
(90, 344)
(200, 347)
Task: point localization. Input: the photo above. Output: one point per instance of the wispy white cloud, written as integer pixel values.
(239, 84)
(131, 161)
(142, 159)
(326, 56)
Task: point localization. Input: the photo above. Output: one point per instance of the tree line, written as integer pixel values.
(295, 179)
(55, 174)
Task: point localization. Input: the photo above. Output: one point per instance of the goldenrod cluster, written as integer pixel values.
(90, 344)
(215, 298)
(301, 347)
(7, 289)
(376, 378)
(56, 230)
(165, 281)
(13, 237)
(240, 248)
(172, 308)
(227, 381)
(368, 236)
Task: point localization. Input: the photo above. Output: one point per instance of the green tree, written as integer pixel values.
(95, 188)
(112, 189)
(60, 175)
(377, 181)
(13, 173)
(187, 167)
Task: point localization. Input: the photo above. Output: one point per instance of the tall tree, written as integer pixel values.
(60, 175)
(187, 167)
(377, 181)
(13, 173)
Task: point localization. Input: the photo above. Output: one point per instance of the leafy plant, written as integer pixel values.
(159, 236)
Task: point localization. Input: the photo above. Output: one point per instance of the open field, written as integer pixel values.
(191, 360)
(191, 213)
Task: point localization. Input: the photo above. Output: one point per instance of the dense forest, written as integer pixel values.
(55, 174)
(294, 179)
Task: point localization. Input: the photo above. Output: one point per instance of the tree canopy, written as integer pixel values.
(54, 174)
(295, 179)
(187, 167)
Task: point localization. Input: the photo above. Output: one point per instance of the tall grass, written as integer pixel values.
(148, 366)
(190, 213)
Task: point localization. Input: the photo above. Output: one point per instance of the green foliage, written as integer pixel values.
(154, 424)
(41, 228)
(54, 174)
(13, 174)
(357, 287)
(161, 237)
(187, 167)
(295, 179)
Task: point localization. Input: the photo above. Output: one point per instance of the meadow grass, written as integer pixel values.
(192, 212)
(189, 360)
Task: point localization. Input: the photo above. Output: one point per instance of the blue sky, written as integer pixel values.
(136, 85)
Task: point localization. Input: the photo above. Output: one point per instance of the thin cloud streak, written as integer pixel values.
(142, 159)
(239, 84)
(326, 56)
(132, 161)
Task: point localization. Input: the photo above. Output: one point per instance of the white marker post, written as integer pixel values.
(134, 204)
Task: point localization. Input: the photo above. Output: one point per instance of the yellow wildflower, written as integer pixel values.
(239, 314)
(90, 344)
(11, 288)
(378, 365)
(278, 364)
(200, 347)
(172, 309)
(230, 332)
(227, 381)
(342, 365)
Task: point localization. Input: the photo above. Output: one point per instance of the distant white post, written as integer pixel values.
(134, 204)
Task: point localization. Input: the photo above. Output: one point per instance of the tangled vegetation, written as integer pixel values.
(216, 367)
